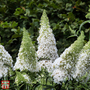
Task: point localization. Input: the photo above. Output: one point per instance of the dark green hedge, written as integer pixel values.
(65, 17)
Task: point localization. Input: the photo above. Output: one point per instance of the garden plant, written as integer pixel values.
(45, 45)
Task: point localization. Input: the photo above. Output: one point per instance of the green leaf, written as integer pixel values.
(13, 24)
(39, 87)
(71, 16)
(14, 30)
(72, 36)
(88, 16)
(18, 11)
(23, 17)
(64, 15)
(88, 21)
(27, 12)
(72, 31)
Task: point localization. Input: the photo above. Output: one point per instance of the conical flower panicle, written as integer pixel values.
(45, 31)
(44, 20)
(83, 64)
(26, 59)
(68, 58)
(73, 51)
(27, 49)
(5, 61)
(47, 44)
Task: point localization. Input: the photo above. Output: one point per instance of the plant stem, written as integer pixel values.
(89, 35)
(27, 87)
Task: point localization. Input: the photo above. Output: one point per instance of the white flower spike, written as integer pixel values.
(5, 61)
(67, 61)
(83, 64)
(47, 43)
(26, 59)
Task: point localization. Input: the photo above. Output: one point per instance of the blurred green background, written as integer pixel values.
(65, 18)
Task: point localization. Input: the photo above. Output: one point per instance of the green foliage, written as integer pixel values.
(88, 14)
(74, 85)
(19, 78)
(24, 13)
(45, 81)
(87, 21)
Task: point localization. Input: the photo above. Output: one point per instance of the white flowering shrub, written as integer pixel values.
(40, 69)
(47, 44)
(5, 62)
(83, 64)
(26, 59)
(65, 65)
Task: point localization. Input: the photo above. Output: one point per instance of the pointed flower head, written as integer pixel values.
(5, 61)
(83, 64)
(26, 59)
(68, 58)
(47, 43)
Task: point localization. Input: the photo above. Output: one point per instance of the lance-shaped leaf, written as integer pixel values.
(22, 78)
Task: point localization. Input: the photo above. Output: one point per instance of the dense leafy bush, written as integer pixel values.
(24, 13)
